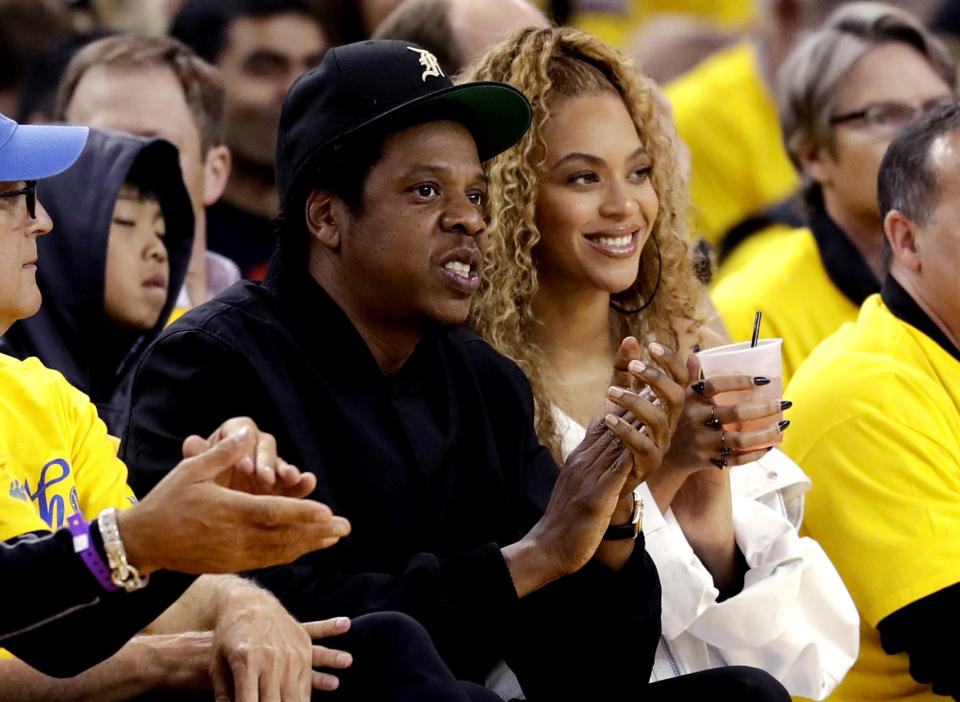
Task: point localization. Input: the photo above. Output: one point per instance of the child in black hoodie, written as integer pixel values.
(113, 267)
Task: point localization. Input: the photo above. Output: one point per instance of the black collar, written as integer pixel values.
(905, 308)
(842, 260)
(324, 330)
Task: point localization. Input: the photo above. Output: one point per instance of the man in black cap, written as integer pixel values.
(418, 432)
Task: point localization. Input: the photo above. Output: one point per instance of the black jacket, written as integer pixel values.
(70, 332)
(57, 617)
(436, 466)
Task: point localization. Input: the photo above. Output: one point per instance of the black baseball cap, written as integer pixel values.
(363, 88)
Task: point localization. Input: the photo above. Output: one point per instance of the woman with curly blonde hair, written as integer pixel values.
(587, 246)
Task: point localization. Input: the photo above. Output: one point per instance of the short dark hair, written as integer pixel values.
(427, 23)
(341, 170)
(201, 83)
(203, 24)
(907, 181)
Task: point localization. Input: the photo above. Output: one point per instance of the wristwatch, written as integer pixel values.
(620, 532)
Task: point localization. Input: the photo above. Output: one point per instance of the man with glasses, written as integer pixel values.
(29, 191)
(844, 93)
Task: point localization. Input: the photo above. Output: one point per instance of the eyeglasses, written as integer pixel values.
(30, 190)
(888, 117)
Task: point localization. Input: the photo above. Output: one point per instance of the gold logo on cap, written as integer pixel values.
(431, 67)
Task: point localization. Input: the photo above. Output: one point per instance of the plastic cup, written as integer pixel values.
(764, 359)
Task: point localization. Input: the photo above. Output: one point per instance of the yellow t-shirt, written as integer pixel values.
(728, 119)
(617, 24)
(760, 243)
(876, 426)
(785, 279)
(56, 457)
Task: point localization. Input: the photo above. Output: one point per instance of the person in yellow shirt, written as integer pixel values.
(845, 91)
(877, 428)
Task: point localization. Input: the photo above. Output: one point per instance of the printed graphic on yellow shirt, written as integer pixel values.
(51, 507)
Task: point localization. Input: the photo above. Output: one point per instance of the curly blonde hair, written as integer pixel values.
(547, 65)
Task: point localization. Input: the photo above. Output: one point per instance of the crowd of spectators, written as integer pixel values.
(431, 278)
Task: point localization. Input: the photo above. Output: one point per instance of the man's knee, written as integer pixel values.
(393, 631)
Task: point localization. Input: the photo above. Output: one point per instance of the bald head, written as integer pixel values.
(457, 31)
(478, 25)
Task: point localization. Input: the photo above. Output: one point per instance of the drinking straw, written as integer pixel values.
(756, 329)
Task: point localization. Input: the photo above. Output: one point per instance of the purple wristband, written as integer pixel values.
(83, 544)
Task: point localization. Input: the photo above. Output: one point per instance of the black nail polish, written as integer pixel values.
(698, 387)
(784, 424)
(696, 348)
(713, 423)
(725, 450)
(719, 463)
(785, 404)
(768, 449)
(760, 380)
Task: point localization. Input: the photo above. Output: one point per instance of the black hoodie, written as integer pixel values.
(70, 333)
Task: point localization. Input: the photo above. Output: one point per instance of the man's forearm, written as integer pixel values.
(178, 661)
(199, 607)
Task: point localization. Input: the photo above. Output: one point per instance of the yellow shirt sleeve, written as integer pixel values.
(101, 477)
(885, 484)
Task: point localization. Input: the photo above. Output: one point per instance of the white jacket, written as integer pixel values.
(794, 617)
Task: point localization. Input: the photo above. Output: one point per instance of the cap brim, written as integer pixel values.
(38, 151)
(496, 114)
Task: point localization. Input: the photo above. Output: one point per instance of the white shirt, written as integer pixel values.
(794, 617)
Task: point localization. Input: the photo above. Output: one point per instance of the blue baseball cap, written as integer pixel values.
(34, 151)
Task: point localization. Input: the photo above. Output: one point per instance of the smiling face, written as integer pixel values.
(137, 272)
(595, 205)
(19, 294)
(411, 252)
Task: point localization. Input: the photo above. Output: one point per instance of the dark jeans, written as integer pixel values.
(394, 660)
(734, 682)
